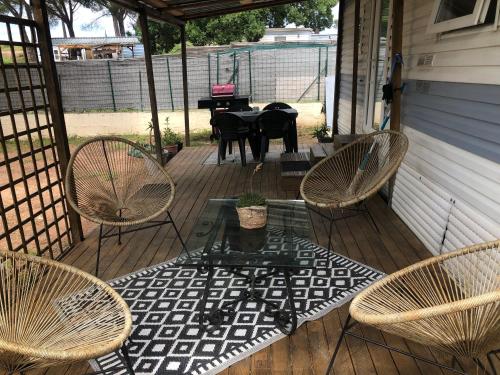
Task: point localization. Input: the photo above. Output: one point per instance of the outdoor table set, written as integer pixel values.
(250, 120)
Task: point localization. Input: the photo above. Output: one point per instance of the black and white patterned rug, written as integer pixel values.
(166, 338)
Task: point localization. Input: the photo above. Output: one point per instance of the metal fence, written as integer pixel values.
(266, 74)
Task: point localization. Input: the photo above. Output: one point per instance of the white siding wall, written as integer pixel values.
(448, 196)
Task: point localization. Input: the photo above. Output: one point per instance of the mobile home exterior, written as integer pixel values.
(448, 187)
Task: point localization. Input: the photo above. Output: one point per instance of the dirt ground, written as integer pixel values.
(103, 123)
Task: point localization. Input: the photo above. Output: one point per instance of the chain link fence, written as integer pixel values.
(266, 73)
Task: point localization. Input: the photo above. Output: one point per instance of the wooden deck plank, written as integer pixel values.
(308, 351)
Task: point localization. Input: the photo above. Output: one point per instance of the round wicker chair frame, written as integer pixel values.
(450, 302)
(53, 314)
(113, 181)
(329, 184)
(95, 165)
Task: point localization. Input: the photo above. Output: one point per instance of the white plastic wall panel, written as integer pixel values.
(447, 196)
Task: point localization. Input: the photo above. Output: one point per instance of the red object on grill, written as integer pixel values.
(223, 90)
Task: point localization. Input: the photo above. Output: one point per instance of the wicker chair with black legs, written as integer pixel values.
(114, 182)
(53, 314)
(450, 302)
(343, 181)
(273, 124)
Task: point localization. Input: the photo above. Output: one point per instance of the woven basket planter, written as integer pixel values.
(252, 217)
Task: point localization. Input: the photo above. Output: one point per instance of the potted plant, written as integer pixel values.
(321, 133)
(171, 140)
(251, 207)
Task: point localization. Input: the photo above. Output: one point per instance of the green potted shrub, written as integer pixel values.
(251, 207)
(171, 141)
(321, 134)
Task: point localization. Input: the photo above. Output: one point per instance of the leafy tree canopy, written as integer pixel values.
(245, 26)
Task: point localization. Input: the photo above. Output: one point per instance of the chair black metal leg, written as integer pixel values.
(98, 251)
(126, 357)
(332, 219)
(263, 143)
(368, 213)
(241, 144)
(339, 342)
(230, 147)
(178, 234)
(219, 151)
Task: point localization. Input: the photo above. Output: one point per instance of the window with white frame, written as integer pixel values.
(448, 15)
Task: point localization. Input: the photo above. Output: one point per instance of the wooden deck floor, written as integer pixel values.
(309, 349)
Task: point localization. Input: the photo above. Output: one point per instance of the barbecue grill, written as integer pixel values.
(222, 97)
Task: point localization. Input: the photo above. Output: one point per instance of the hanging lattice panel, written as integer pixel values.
(32, 206)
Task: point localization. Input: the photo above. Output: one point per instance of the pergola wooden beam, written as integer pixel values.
(54, 96)
(355, 59)
(185, 86)
(143, 22)
(338, 67)
(396, 48)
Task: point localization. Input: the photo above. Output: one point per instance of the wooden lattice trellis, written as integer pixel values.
(33, 211)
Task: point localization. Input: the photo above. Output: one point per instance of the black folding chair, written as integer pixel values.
(276, 105)
(231, 128)
(273, 124)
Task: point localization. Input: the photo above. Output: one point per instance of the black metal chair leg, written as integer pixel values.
(339, 342)
(241, 144)
(263, 142)
(178, 234)
(126, 357)
(372, 219)
(219, 151)
(98, 251)
(332, 219)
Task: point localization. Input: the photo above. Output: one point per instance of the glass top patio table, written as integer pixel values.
(217, 240)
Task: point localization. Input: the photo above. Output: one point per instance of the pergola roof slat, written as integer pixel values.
(178, 12)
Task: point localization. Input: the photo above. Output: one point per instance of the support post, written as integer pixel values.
(170, 85)
(396, 47)
(140, 91)
(185, 85)
(355, 58)
(250, 73)
(55, 100)
(319, 71)
(338, 67)
(110, 77)
(143, 21)
(209, 76)
(218, 75)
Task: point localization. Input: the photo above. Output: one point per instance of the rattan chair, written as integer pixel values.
(449, 302)
(115, 182)
(344, 180)
(54, 314)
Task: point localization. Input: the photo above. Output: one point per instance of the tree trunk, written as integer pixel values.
(116, 26)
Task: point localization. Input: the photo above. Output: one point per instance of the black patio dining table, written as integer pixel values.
(250, 118)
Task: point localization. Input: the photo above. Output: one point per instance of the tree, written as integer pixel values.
(245, 26)
(118, 14)
(248, 26)
(316, 14)
(64, 10)
(17, 8)
(164, 36)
